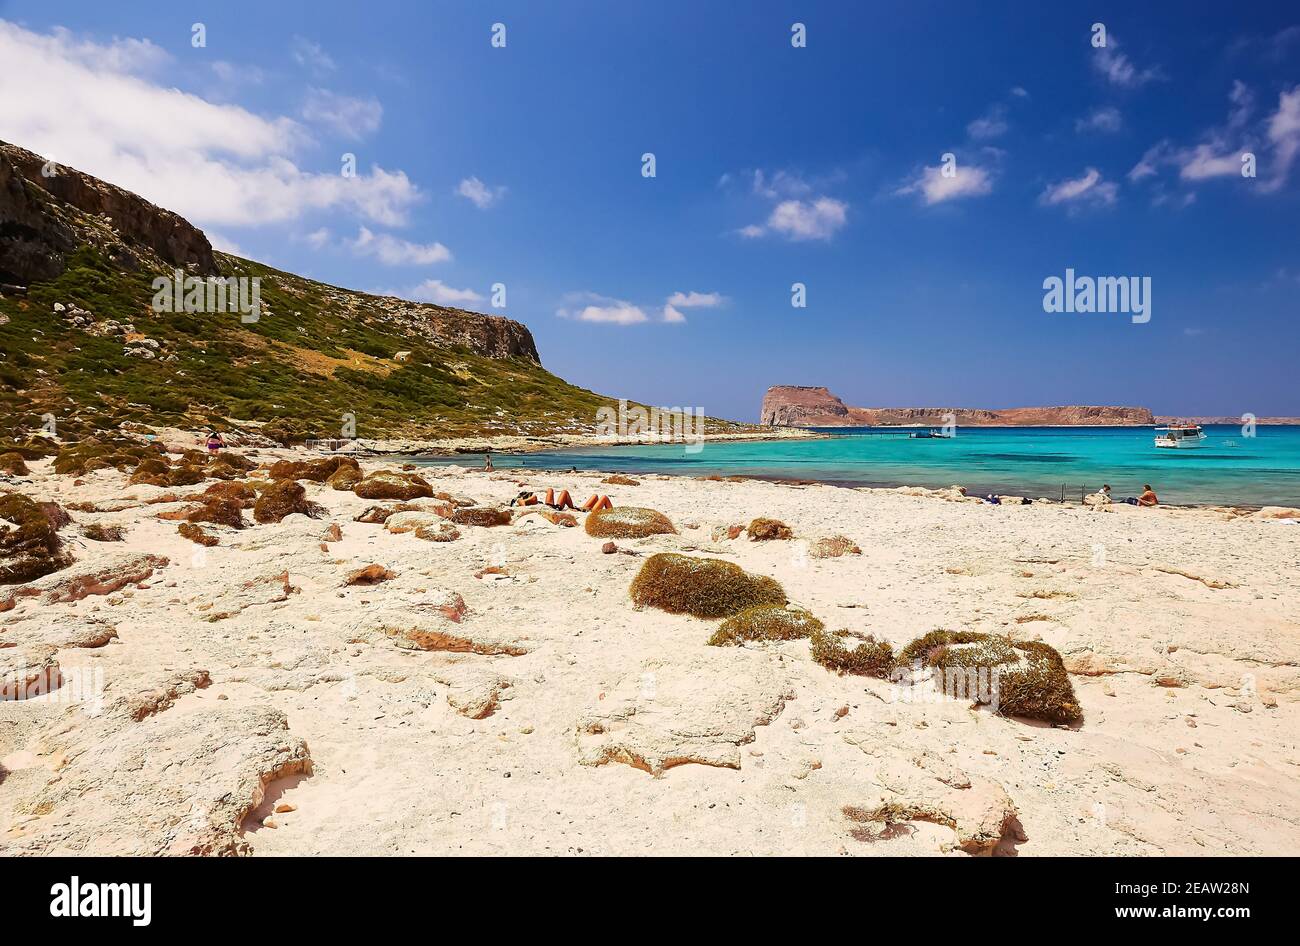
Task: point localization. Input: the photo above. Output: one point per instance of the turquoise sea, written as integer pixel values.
(1228, 468)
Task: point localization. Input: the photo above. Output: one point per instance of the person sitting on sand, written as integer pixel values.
(215, 442)
(1100, 499)
(1148, 497)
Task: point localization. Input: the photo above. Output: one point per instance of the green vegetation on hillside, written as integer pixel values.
(317, 354)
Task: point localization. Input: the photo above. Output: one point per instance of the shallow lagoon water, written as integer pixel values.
(1228, 468)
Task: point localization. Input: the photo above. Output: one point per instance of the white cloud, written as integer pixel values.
(696, 300)
(478, 193)
(1274, 140)
(1204, 161)
(318, 238)
(817, 219)
(1106, 120)
(967, 181)
(590, 307)
(438, 292)
(393, 251)
(781, 184)
(1284, 136)
(311, 56)
(800, 212)
(217, 165)
(689, 300)
(1119, 69)
(1019, 92)
(992, 124)
(351, 117)
(1088, 189)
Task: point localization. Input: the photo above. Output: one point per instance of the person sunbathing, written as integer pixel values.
(1148, 497)
(562, 501)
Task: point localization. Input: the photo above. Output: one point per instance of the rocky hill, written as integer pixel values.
(80, 340)
(787, 405)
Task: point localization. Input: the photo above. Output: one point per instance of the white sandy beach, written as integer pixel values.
(252, 702)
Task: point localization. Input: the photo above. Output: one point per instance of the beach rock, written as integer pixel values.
(333, 533)
(173, 783)
(160, 695)
(439, 626)
(701, 709)
(369, 575)
(442, 532)
(556, 517)
(474, 692)
(400, 522)
(28, 671)
(105, 575)
(978, 810)
(270, 587)
(1276, 512)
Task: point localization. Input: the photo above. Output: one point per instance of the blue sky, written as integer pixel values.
(774, 165)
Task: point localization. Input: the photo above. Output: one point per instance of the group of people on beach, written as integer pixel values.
(1103, 498)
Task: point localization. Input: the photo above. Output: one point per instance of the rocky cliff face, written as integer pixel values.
(798, 406)
(46, 211)
(44, 218)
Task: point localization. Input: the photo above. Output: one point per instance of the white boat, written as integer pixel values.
(1180, 436)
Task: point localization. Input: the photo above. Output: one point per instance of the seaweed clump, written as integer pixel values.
(1028, 677)
(765, 530)
(628, 522)
(870, 658)
(389, 484)
(222, 512)
(196, 534)
(12, 463)
(32, 548)
(317, 471)
(280, 499)
(767, 622)
(481, 516)
(703, 587)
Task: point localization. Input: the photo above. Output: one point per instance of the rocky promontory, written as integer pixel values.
(787, 405)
